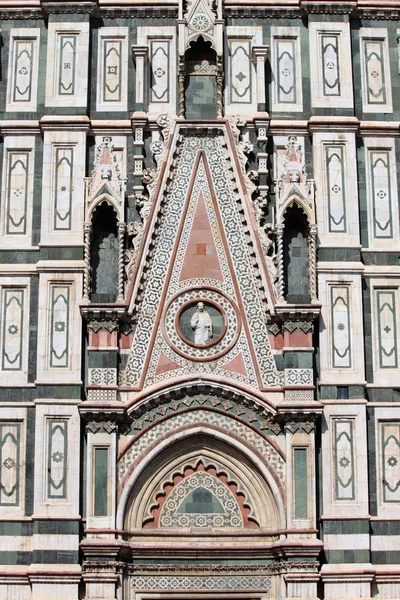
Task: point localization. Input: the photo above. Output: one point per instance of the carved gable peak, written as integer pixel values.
(106, 179)
(293, 183)
(200, 16)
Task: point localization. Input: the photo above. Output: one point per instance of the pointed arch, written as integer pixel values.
(250, 466)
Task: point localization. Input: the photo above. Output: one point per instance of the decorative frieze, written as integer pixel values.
(192, 583)
(23, 70)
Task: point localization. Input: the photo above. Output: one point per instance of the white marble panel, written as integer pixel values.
(330, 65)
(112, 69)
(287, 92)
(23, 62)
(382, 193)
(161, 76)
(17, 191)
(67, 64)
(375, 70)
(64, 164)
(335, 172)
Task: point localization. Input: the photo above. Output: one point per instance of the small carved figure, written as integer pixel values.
(202, 325)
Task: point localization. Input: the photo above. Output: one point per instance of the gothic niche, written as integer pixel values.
(104, 254)
(296, 257)
(200, 80)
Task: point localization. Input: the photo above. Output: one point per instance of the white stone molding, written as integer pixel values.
(112, 69)
(14, 333)
(23, 64)
(17, 191)
(375, 70)
(67, 64)
(287, 92)
(330, 65)
(335, 172)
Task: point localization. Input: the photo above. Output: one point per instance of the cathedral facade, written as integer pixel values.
(199, 299)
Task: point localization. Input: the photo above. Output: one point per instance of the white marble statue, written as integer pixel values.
(202, 325)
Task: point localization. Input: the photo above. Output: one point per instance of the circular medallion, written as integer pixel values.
(201, 324)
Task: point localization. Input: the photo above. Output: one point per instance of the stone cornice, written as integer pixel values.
(287, 9)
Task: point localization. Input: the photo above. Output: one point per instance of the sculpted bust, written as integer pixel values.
(202, 325)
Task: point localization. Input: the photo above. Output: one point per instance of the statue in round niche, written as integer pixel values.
(201, 323)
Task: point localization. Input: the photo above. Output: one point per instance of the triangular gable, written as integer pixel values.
(203, 192)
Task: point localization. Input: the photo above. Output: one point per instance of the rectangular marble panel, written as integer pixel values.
(343, 459)
(336, 191)
(13, 300)
(10, 448)
(386, 320)
(340, 327)
(160, 56)
(381, 193)
(17, 192)
(240, 67)
(67, 64)
(63, 187)
(59, 341)
(376, 80)
(23, 70)
(330, 64)
(57, 459)
(390, 457)
(112, 68)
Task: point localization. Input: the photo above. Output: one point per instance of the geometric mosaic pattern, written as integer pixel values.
(218, 582)
(226, 195)
(230, 425)
(226, 514)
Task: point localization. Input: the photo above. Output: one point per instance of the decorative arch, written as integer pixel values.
(104, 198)
(147, 467)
